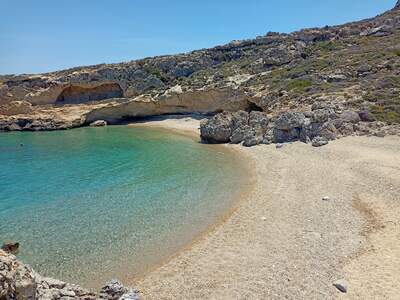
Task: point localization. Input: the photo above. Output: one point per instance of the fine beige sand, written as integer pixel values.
(284, 241)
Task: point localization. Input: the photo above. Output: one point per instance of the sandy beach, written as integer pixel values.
(286, 242)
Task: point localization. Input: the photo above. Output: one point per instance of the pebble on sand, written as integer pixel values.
(341, 285)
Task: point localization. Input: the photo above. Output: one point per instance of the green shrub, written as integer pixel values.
(299, 84)
(389, 114)
(396, 52)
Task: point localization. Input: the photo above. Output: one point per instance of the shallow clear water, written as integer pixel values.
(91, 204)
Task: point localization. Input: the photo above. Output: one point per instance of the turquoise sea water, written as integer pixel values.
(91, 204)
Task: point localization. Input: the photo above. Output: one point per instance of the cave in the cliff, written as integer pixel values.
(77, 94)
(253, 107)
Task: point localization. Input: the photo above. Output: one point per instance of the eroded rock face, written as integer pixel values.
(237, 127)
(318, 127)
(289, 120)
(16, 108)
(218, 129)
(171, 102)
(75, 94)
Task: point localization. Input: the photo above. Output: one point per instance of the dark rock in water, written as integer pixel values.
(319, 141)
(10, 248)
(98, 123)
(113, 290)
(218, 129)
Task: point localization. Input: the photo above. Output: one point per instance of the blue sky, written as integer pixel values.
(47, 35)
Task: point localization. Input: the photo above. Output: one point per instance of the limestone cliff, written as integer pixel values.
(355, 65)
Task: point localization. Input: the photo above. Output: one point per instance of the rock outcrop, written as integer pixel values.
(355, 66)
(98, 123)
(10, 247)
(20, 282)
(318, 126)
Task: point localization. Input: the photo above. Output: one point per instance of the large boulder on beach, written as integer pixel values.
(350, 116)
(289, 120)
(239, 134)
(240, 119)
(218, 129)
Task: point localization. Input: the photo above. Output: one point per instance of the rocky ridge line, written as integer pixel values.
(356, 65)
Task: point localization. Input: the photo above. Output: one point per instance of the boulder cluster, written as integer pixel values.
(318, 126)
(34, 123)
(20, 282)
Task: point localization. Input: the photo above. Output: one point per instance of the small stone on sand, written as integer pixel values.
(341, 285)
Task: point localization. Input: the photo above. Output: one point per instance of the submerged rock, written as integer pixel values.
(10, 247)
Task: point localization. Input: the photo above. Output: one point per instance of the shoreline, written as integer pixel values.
(282, 240)
(188, 126)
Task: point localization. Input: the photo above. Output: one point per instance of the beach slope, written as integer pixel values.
(315, 215)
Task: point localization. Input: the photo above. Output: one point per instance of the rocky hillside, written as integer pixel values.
(351, 67)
